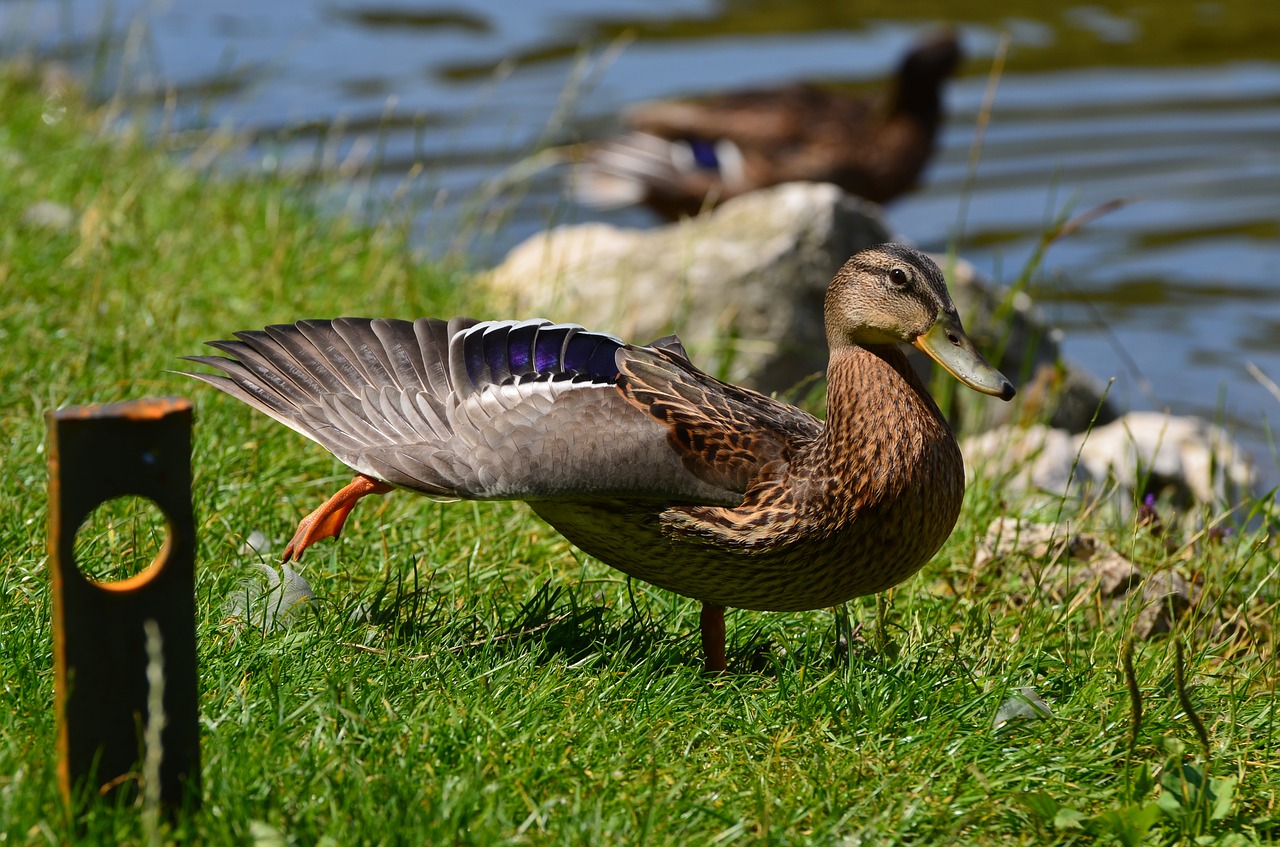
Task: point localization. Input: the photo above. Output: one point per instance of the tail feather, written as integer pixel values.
(619, 173)
(629, 169)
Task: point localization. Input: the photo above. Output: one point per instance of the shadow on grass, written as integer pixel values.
(559, 624)
(552, 625)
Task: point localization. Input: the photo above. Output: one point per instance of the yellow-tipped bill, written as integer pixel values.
(947, 344)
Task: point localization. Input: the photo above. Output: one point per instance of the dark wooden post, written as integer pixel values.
(120, 648)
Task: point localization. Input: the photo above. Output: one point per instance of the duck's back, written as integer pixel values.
(757, 120)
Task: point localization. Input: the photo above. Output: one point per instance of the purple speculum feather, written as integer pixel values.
(503, 352)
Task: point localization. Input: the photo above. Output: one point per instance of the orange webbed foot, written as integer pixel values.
(327, 521)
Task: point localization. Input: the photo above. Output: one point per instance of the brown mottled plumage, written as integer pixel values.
(682, 157)
(703, 488)
(824, 495)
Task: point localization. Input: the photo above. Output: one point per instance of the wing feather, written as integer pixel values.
(484, 410)
(725, 434)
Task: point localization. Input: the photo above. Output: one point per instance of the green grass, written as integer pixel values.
(472, 679)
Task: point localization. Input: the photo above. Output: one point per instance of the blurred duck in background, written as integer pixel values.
(682, 157)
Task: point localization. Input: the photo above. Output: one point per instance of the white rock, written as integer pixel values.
(1198, 458)
(1141, 451)
(46, 214)
(1031, 459)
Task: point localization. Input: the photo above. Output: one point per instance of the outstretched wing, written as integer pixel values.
(479, 410)
(348, 384)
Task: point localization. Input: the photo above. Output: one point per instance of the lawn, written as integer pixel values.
(470, 678)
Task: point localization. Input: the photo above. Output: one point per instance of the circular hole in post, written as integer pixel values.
(120, 539)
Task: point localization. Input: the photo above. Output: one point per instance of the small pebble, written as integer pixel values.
(47, 214)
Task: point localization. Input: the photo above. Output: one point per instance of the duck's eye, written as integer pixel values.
(898, 277)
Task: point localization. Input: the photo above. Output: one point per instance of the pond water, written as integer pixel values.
(1174, 105)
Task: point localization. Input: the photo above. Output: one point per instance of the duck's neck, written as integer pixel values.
(874, 391)
(922, 102)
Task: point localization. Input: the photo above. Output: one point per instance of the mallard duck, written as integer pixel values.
(697, 486)
(683, 157)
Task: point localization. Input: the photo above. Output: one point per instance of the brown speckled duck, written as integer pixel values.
(687, 156)
(694, 485)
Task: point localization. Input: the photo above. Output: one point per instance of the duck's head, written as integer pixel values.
(931, 61)
(893, 294)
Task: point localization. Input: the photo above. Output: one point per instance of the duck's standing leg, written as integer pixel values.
(327, 521)
(713, 638)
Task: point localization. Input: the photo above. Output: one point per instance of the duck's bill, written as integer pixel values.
(947, 344)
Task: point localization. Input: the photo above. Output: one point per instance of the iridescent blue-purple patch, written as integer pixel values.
(704, 153)
(547, 348)
(520, 344)
(473, 355)
(496, 352)
(603, 365)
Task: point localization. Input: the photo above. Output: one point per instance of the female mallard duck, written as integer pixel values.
(683, 157)
(645, 462)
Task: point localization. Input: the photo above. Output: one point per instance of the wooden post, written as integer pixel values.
(119, 645)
